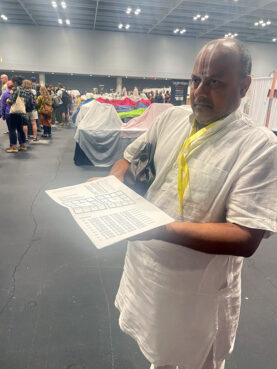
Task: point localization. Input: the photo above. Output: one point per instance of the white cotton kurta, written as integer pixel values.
(176, 302)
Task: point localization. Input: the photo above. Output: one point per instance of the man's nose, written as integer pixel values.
(201, 90)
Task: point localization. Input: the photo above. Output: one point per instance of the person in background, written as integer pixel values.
(34, 84)
(63, 94)
(31, 111)
(152, 97)
(45, 109)
(136, 92)
(37, 89)
(159, 97)
(4, 80)
(167, 97)
(5, 109)
(124, 92)
(16, 119)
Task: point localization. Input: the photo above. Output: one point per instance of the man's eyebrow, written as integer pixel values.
(212, 76)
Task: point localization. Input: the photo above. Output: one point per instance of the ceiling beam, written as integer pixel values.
(95, 16)
(27, 11)
(261, 5)
(178, 3)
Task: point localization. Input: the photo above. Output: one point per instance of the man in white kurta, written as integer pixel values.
(179, 295)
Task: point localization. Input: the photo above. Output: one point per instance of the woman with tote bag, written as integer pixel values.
(18, 108)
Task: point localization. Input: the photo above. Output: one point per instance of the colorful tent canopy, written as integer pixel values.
(126, 101)
(131, 114)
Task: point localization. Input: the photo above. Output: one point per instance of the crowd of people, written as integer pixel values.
(159, 97)
(29, 108)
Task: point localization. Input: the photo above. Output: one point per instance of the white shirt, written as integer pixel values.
(176, 302)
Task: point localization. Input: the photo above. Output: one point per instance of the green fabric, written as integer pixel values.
(39, 104)
(131, 114)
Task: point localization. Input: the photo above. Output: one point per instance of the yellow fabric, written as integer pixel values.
(183, 169)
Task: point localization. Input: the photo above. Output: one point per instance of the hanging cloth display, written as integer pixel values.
(183, 168)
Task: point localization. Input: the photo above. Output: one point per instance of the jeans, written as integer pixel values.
(8, 121)
(16, 124)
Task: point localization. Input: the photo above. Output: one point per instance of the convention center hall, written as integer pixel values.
(138, 197)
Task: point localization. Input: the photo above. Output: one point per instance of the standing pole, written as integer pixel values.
(271, 96)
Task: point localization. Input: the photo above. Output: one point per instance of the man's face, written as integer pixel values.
(4, 79)
(216, 87)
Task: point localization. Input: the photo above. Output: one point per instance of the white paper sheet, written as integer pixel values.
(108, 211)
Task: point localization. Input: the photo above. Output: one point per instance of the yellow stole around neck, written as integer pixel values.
(183, 168)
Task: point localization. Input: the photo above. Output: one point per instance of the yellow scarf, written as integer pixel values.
(183, 169)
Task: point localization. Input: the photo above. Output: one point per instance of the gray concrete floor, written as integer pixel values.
(57, 291)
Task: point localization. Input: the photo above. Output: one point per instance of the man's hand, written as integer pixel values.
(93, 179)
(118, 170)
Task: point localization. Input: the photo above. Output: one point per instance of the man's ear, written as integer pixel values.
(244, 85)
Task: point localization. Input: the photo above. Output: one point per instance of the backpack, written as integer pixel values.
(57, 101)
(65, 98)
(29, 102)
(46, 110)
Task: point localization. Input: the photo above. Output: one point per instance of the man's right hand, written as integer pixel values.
(118, 170)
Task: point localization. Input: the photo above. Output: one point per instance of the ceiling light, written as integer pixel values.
(183, 31)
(4, 17)
(60, 21)
(231, 35)
(202, 17)
(128, 10)
(120, 25)
(63, 4)
(54, 4)
(262, 23)
(67, 21)
(127, 26)
(90, 75)
(176, 30)
(137, 11)
(274, 39)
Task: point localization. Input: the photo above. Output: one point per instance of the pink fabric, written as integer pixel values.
(137, 126)
(125, 101)
(145, 120)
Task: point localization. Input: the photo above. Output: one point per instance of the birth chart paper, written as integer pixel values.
(108, 211)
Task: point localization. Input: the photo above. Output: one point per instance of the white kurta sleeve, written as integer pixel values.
(149, 136)
(253, 199)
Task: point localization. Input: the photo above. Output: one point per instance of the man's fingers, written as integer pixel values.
(92, 179)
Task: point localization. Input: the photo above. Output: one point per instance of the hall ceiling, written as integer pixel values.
(158, 17)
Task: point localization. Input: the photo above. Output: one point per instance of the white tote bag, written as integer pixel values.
(19, 106)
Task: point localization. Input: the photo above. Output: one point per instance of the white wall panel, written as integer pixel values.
(65, 50)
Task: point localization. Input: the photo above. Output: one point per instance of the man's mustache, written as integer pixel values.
(202, 102)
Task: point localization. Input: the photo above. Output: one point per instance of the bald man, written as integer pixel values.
(180, 293)
(4, 79)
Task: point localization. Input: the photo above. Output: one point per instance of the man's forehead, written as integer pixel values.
(215, 58)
